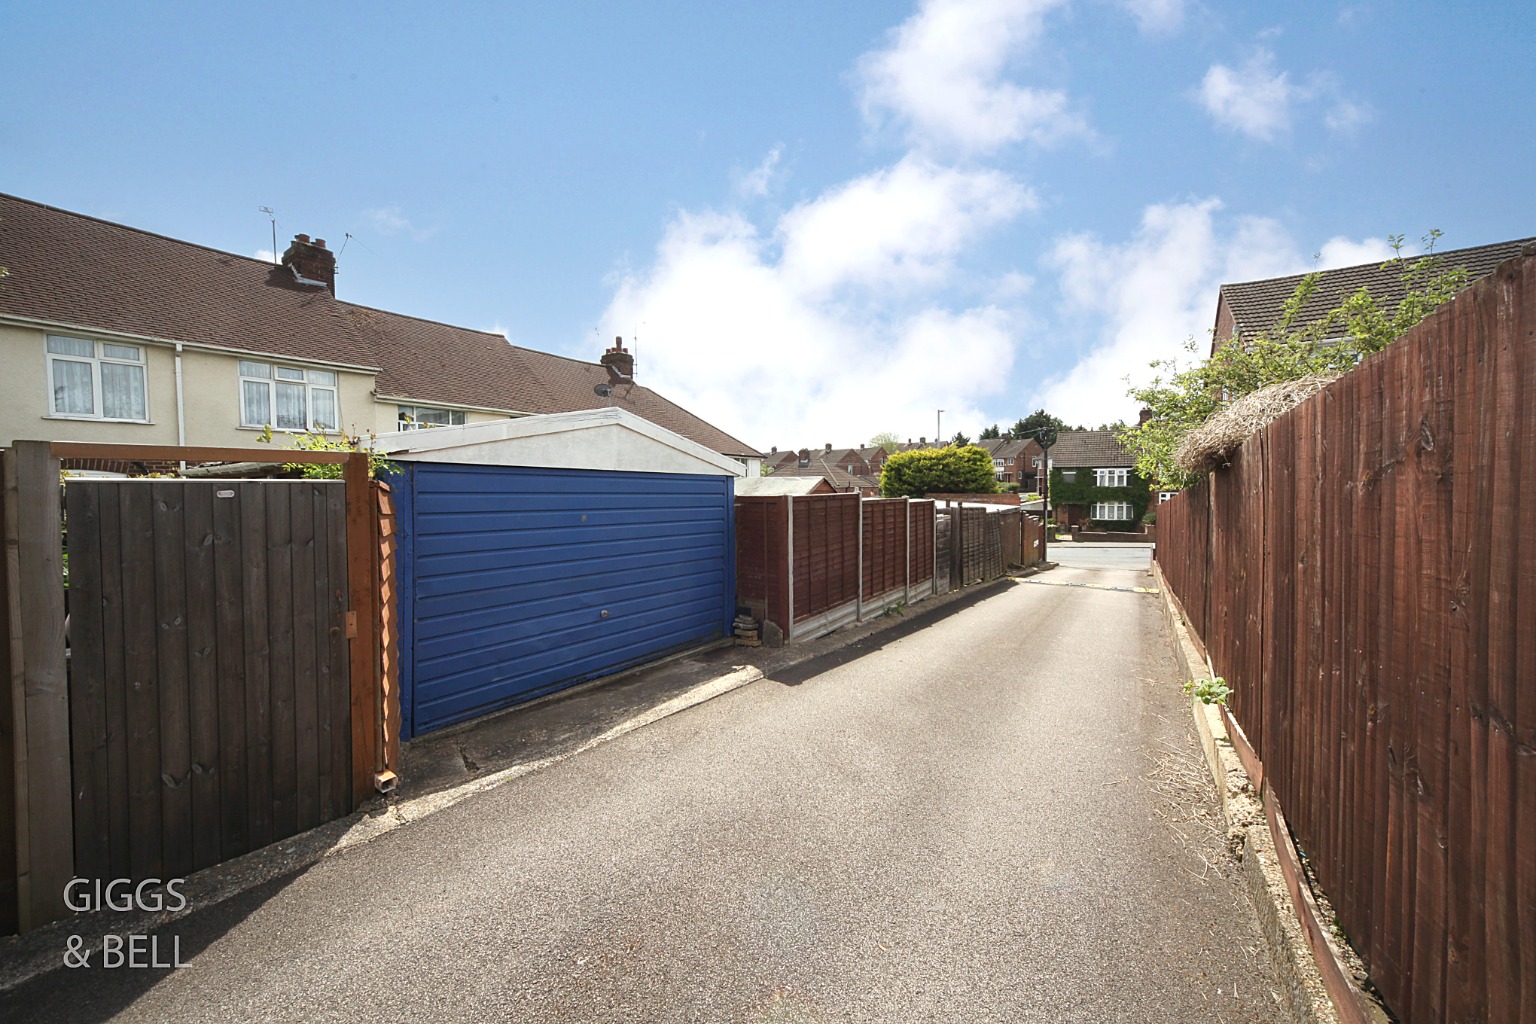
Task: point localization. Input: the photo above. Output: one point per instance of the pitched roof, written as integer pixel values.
(778, 483)
(1258, 305)
(1088, 449)
(74, 270)
(835, 474)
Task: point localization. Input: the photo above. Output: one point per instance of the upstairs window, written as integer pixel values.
(419, 417)
(1111, 477)
(287, 397)
(97, 379)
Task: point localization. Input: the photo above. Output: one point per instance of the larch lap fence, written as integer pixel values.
(228, 676)
(1364, 577)
(852, 558)
(983, 544)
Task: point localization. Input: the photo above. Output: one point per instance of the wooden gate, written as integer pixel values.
(210, 707)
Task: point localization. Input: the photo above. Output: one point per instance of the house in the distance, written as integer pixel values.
(1094, 482)
(1249, 308)
(110, 333)
(807, 463)
(1016, 462)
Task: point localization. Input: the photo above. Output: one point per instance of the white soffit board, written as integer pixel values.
(603, 439)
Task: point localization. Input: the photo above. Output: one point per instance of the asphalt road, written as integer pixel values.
(999, 817)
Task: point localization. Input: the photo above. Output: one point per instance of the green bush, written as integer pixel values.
(951, 470)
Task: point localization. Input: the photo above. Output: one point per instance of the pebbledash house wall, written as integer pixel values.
(210, 395)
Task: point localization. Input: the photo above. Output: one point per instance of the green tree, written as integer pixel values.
(990, 433)
(954, 470)
(1041, 426)
(959, 440)
(886, 439)
(1181, 399)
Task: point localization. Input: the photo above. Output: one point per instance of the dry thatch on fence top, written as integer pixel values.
(1209, 445)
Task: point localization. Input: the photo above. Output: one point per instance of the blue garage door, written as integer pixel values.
(518, 582)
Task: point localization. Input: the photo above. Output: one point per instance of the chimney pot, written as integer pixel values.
(301, 238)
(620, 364)
(320, 242)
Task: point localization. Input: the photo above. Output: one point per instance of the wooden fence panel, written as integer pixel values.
(206, 660)
(884, 547)
(826, 553)
(762, 538)
(9, 907)
(920, 520)
(1364, 576)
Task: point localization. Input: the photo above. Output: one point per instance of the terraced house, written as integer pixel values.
(110, 333)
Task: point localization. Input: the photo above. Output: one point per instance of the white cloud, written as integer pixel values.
(896, 228)
(1254, 99)
(941, 78)
(1345, 116)
(758, 182)
(1146, 296)
(1343, 252)
(391, 220)
(830, 324)
(1156, 16)
(265, 255)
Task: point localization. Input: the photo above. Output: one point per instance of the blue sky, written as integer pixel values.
(822, 220)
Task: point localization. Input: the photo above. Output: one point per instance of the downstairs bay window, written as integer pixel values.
(1110, 511)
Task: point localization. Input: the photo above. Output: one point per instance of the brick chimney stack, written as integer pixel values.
(1146, 414)
(312, 262)
(620, 362)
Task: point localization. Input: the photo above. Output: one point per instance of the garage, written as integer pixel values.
(540, 552)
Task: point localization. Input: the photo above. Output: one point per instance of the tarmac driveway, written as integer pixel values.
(1000, 817)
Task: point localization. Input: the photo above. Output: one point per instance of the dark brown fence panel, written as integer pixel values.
(8, 890)
(920, 520)
(1011, 537)
(209, 694)
(884, 547)
(762, 538)
(1031, 540)
(1364, 576)
(826, 553)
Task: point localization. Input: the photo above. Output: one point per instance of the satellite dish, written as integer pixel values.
(602, 391)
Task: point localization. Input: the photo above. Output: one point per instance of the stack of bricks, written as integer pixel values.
(748, 632)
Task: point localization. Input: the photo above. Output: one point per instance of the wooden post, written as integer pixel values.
(38, 691)
(789, 552)
(362, 623)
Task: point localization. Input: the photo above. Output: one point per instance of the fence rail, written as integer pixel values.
(1364, 577)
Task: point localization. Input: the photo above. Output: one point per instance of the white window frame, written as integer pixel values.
(95, 361)
(415, 424)
(1112, 511)
(271, 380)
(1163, 496)
(1111, 478)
